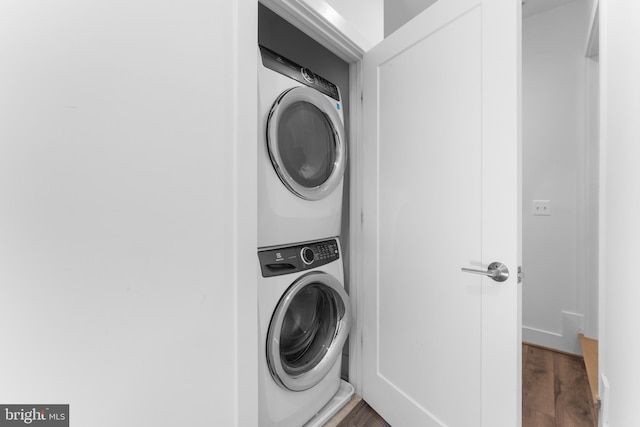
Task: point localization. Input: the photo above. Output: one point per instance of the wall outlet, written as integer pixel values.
(541, 207)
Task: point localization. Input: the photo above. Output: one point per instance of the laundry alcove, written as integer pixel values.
(495, 320)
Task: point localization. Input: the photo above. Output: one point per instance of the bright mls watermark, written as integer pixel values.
(34, 415)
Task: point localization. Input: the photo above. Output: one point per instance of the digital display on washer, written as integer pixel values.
(282, 65)
(292, 259)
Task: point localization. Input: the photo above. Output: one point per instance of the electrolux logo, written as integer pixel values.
(36, 415)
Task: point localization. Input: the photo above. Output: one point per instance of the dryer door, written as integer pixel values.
(305, 139)
(308, 330)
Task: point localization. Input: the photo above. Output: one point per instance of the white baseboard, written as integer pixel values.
(567, 341)
(604, 401)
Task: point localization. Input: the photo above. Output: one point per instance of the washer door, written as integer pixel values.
(305, 139)
(307, 331)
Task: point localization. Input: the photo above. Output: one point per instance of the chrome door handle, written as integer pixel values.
(496, 270)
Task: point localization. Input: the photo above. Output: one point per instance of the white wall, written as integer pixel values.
(556, 147)
(120, 227)
(590, 191)
(366, 15)
(399, 12)
(620, 132)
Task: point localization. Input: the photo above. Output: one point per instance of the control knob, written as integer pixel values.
(308, 75)
(307, 255)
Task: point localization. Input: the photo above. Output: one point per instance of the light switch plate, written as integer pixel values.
(541, 207)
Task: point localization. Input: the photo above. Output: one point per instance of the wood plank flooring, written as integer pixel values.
(555, 390)
(555, 393)
(363, 415)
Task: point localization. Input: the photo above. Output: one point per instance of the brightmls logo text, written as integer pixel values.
(28, 417)
(36, 415)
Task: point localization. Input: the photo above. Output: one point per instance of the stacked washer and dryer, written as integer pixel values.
(304, 311)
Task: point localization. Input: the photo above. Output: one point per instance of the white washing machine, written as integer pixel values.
(301, 155)
(304, 320)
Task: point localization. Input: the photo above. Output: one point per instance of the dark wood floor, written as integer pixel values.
(362, 415)
(555, 390)
(555, 393)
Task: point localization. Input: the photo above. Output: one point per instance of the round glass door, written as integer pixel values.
(307, 331)
(305, 138)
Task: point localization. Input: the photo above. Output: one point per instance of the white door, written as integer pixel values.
(442, 347)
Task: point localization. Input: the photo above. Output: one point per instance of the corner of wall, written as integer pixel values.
(567, 341)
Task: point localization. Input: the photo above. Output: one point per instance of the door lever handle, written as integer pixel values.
(496, 270)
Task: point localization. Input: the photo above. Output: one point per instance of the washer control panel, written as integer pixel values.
(282, 65)
(292, 259)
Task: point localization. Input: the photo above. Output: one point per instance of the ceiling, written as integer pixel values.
(531, 7)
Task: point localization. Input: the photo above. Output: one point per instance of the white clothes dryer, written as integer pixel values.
(304, 320)
(301, 155)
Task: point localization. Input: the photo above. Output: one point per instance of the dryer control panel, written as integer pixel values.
(288, 68)
(292, 259)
